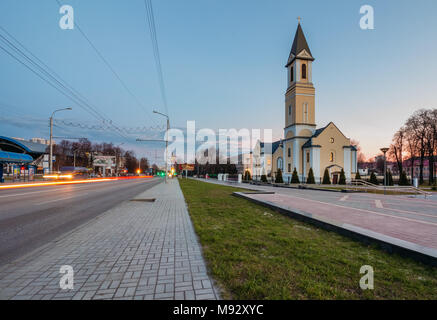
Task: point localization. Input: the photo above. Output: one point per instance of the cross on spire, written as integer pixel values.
(298, 19)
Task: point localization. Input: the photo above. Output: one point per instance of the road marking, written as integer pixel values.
(41, 203)
(413, 213)
(378, 204)
(344, 198)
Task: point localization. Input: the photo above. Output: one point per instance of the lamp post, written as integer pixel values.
(51, 137)
(384, 151)
(166, 142)
(116, 167)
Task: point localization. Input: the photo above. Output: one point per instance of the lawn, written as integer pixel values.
(256, 253)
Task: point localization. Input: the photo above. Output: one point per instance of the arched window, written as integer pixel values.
(331, 157)
(291, 74)
(304, 71)
(279, 163)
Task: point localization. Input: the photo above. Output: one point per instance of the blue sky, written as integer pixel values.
(223, 64)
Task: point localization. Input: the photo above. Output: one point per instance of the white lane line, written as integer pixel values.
(41, 203)
(412, 212)
(344, 198)
(378, 204)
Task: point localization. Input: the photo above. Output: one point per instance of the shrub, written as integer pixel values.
(278, 178)
(373, 179)
(342, 178)
(403, 180)
(357, 176)
(326, 178)
(310, 179)
(295, 177)
(263, 178)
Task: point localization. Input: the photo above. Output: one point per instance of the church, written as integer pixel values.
(305, 146)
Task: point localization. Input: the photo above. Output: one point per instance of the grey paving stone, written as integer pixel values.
(133, 251)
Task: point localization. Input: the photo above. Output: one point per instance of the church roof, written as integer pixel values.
(275, 145)
(299, 44)
(309, 142)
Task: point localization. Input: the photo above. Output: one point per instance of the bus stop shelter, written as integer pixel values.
(13, 157)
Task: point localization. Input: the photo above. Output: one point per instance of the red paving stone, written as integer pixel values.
(409, 229)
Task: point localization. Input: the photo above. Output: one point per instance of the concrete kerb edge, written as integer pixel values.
(344, 230)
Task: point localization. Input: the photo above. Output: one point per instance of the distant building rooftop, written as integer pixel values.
(22, 146)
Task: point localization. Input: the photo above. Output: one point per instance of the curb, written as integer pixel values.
(387, 243)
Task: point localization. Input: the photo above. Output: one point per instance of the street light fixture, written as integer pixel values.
(166, 142)
(384, 151)
(51, 137)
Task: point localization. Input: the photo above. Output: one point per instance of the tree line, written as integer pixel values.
(416, 140)
(82, 153)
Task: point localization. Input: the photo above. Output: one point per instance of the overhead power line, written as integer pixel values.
(52, 78)
(140, 129)
(106, 62)
(151, 22)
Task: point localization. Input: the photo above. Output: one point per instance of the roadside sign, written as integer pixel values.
(187, 167)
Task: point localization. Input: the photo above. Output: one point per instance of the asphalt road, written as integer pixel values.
(31, 217)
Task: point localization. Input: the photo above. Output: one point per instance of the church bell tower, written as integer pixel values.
(300, 94)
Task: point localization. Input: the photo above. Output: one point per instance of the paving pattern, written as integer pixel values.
(136, 250)
(410, 219)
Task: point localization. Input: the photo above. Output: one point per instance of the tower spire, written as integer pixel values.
(300, 48)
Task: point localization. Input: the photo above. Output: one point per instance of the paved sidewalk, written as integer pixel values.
(137, 250)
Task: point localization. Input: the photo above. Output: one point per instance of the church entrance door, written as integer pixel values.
(335, 179)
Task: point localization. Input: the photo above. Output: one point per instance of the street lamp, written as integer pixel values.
(384, 151)
(166, 142)
(116, 167)
(51, 137)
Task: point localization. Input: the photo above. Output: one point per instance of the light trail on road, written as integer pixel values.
(32, 217)
(42, 184)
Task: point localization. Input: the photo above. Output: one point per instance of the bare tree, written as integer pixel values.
(361, 158)
(416, 124)
(397, 148)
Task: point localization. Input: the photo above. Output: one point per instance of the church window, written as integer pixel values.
(308, 157)
(331, 157)
(331, 140)
(279, 163)
(289, 152)
(289, 167)
(304, 71)
(291, 74)
(289, 109)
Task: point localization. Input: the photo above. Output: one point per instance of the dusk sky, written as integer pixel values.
(223, 65)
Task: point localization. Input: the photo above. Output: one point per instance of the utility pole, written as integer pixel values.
(166, 142)
(384, 150)
(116, 167)
(51, 138)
